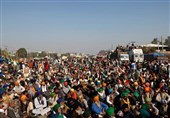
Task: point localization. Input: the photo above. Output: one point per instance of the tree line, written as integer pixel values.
(23, 53)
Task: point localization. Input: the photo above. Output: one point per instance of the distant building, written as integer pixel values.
(158, 47)
(154, 45)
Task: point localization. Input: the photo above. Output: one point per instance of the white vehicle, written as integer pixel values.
(123, 57)
(136, 55)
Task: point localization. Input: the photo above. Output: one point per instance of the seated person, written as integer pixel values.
(99, 107)
(40, 104)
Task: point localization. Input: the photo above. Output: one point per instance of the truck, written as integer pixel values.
(119, 54)
(136, 55)
(129, 53)
(123, 56)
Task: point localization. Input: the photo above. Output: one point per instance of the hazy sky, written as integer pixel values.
(82, 25)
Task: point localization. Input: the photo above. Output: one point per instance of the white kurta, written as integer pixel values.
(19, 89)
(41, 106)
(44, 88)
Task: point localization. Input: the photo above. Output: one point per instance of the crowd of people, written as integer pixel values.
(84, 88)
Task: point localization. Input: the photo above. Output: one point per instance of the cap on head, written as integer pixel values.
(110, 111)
(55, 108)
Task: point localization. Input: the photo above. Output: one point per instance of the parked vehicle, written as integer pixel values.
(136, 55)
(119, 55)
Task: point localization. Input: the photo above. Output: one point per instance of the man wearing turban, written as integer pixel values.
(99, 107)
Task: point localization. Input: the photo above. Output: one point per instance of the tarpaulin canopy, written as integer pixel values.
(1, 59)
(157, 54)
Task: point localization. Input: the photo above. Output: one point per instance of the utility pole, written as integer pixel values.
(162, 42)
(158, 44)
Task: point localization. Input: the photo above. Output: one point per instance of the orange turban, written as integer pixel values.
(147, 89)
(23, 98)
(96, 98)
(104, 84)
(43, 83)
(16, 83)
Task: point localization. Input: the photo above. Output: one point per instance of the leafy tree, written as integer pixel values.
(33, 54)
(66, 54)
(53, 55)
(167, 41)
(43, 54)
(155, 41)
(21, 53)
